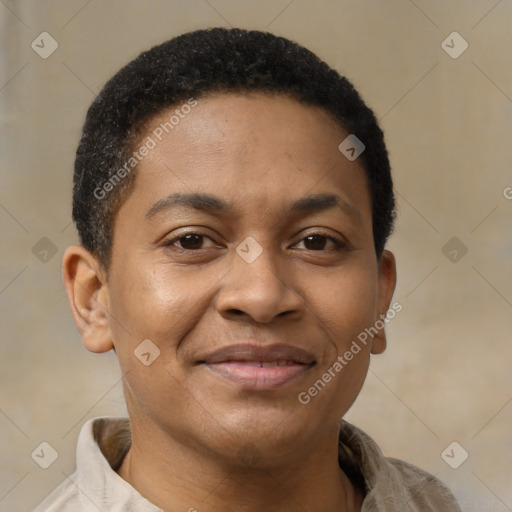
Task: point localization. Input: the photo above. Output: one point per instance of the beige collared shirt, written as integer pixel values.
(389, 485)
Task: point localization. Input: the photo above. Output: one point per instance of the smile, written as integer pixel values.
(259, 368)
(259, 375)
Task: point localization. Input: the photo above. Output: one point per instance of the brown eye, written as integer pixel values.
(324, 243)
(189, 242)
(315, 242)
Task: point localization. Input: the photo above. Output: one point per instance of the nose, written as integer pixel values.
(259, 291)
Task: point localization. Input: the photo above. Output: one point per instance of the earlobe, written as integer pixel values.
(387, 284)
(87, 292)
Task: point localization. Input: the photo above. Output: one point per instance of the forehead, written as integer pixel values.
(224, 122)
(253, 148)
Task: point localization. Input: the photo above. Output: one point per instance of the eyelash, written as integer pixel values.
(339, 243)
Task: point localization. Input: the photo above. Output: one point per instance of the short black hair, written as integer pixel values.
(197, 63)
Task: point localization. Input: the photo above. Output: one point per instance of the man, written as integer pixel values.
(233, 199)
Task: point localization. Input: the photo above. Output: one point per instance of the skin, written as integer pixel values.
(200, 440)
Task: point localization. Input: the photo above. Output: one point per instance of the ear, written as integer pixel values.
(386, 284)
(87, 290)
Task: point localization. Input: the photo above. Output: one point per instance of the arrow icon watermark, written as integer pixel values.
(44, 45)
(454, 45)
(249, 249)
(454, 455)
(351, 147)
(454, 249)
(146, 352)
(44, 455)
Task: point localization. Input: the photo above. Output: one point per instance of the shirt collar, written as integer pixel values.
(95, 479)
(387, 484)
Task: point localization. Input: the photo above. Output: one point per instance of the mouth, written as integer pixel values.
(259, 368)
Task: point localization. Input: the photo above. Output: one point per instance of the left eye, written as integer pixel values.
(317, 242)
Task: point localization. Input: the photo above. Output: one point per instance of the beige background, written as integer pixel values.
(446, 374)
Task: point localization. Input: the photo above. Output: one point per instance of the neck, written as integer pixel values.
(175, 476)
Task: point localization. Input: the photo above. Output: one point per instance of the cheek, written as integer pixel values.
(158, 304)
(160, 307)
(345, 304)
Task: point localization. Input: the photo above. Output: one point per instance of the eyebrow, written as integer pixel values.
(322, 202)
(212, 204)
(203, 202)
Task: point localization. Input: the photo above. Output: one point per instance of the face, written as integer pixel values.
(245, 253)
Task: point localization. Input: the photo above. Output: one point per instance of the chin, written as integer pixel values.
(271, 437)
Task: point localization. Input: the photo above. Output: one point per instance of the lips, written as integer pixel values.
(268, 354)
(259, 367)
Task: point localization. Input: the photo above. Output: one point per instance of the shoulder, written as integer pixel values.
(393, 484)
(101, 445)
(419, 489)
(63, 498)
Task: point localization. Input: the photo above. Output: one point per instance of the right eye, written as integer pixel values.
(188, 241)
